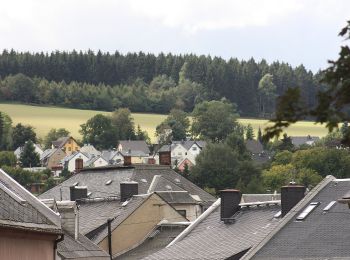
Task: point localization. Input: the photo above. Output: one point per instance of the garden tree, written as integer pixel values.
(99, 132)
(267, 95)
(220, 166)
(178, 122)
(236, 142)
(332, 106)
(142, 135)
(7, 158)
(29, 158)
(53, 135)
(249, 132)
(324, 161)
(331, 140)
(214, 120)
(285, 144)
(344, 130)
(123, 124)
(23, 177)
(282, 158)
(217, 167)
(5, 132)
(22, 134)
(280, 175)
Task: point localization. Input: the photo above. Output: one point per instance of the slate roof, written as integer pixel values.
(211, 238)
(321, 235)
(254, 146)
(90, 150)
(21, 210)
(299, 140)
(95, 179)
(83, 248)
(108, 155)
(60, 142)
(92, 160)
(134, 145)
(157, 240)
(186, 144)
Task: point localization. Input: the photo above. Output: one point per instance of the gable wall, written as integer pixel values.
(140, 223)
(71, 146)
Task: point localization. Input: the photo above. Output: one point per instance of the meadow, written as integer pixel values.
(44, 118)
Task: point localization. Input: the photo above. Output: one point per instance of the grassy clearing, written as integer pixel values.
(45, 118)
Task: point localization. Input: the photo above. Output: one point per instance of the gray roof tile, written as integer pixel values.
(321, 235)
(20, 209)
(212, 239)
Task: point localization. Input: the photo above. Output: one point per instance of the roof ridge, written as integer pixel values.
(195, 223)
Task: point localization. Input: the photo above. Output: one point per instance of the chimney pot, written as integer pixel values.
(69, 212)
(128, 189)
(290, 196)
(230, 200)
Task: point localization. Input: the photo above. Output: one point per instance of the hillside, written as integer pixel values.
(45, 118)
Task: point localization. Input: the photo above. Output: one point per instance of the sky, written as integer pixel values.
(293, 31)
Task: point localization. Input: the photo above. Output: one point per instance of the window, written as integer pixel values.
(77, 148)
(69, 149)
(329, 206)
(182, 212)
(307, 210)
(179, 153)
(194, 148)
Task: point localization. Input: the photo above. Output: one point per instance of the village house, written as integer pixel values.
(67, 144)
(96, 161)
(28, 229)
(51, 158)
(257, 152)
(113, 157)
(183, 152)
(90, 150)
(70, 162)
(137, 150)
(297, 141)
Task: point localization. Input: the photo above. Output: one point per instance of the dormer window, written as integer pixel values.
(194, 148)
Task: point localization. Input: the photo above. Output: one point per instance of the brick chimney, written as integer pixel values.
(78, 192)
(69, 212)
(128, 189)
(290, 196)
(165, 158)
(230, 200)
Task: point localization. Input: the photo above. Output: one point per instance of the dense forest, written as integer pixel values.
(148, 83)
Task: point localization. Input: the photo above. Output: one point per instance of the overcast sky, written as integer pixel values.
(294, 31)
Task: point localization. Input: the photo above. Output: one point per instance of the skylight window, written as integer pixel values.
(89, 194)
(108, 182)
(308, 210)
(168, 187)
(177, 180)
(144, 180)
(75, 183)
(330, 205)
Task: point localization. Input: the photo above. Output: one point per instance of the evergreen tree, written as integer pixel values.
(250, 132)
(1, 129)
(29, 158)
(260, 135)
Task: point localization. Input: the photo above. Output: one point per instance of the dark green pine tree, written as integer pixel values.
(29, 158)
(260, 135)
(1, 130)
(250, 132)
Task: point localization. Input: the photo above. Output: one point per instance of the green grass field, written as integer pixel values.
(45, 118)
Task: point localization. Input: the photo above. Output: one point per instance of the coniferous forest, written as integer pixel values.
(147, 82)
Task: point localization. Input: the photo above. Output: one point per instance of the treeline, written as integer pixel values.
(150, 83)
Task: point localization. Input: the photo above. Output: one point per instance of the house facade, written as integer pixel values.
(67, 144)
(28, 229)
(69, 162)
(51, 158)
